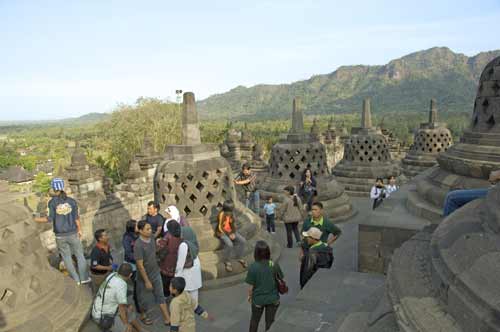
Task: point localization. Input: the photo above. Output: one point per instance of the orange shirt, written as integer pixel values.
(226, 224)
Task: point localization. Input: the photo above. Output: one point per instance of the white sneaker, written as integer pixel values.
(85, 282)
(273, 232)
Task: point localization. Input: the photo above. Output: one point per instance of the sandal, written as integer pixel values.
(228, 266)
(146, 320)
(243, 263)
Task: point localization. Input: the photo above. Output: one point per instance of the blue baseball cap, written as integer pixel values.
(57, 184)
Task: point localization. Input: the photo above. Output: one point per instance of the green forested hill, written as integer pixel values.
(404, 84)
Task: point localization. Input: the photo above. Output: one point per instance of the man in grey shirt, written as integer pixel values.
(148, 276)
(247, 179)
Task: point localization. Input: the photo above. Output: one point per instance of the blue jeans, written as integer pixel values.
(253, 201)
(271, 227)
(233, 248)
(70, 245)
(457, 198)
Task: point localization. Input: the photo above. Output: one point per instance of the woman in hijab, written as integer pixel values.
(172, 213)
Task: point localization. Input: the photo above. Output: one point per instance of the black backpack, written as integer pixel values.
(324, 258)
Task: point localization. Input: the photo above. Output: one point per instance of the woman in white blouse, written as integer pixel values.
(189, 267)
(391, 187)
(378, 193)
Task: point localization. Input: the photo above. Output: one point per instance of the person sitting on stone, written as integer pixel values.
(101, 260)
(183, 307)
(65, 219)
(111, 298)
(233, 241)
(319, 255)
(155, 219)
(378, 193)
(308, 188)
(247, 179)
(457, 198)
(392, 186)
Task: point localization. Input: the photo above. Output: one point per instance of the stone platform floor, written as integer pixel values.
(232, 311)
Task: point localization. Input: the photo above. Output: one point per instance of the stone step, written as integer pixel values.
(327, 296)
(410, 290)
(421, 208)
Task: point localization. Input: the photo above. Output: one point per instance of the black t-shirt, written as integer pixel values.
(99, 256)
(155, 221)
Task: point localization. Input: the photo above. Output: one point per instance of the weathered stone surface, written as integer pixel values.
(468, 163)
(190, 129)
(197, 180)
(366, 157)
(334, 144)
(430, 140)
(290, 157)
(34, 296)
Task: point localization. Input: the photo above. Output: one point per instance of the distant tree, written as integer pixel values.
(41, 183)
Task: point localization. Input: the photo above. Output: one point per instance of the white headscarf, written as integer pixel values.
(174, 215)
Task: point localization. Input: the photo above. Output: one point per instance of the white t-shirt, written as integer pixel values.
(192, 276)
(390, 188)
(116, 293)
(375, 192)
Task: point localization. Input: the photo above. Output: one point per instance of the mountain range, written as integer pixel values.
(403, 85)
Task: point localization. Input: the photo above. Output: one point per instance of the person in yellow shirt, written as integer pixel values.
(183, 307)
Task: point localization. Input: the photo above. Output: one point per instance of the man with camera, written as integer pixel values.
(378, 193)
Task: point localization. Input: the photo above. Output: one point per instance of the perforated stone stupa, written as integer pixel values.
(366, 157)
(430, 140)
(85, 181)
(333, 142)
(240, 147)
(468, 163)
(297, 152)
(197, 179)
(33, 295)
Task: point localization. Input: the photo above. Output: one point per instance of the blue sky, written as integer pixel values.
(67, 58)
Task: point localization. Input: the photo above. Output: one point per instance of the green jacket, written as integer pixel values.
(325, 226)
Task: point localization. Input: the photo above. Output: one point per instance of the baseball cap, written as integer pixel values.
(313, 232)
(57, 184)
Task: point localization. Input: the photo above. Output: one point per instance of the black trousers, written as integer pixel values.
(136, 298)
(377, 202)
(166, 284)
(257, 311)
(292, 226)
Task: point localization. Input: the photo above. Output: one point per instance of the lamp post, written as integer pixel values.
(178, 93)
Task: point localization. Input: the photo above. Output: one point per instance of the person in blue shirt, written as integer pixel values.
(65, 219)
(269, 209)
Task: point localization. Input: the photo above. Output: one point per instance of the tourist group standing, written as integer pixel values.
(161, 258)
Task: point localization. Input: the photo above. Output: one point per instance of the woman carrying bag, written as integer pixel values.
(266, 284)
(291, 212)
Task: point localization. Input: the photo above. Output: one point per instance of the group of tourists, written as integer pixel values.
(160, 259)
(381, 191)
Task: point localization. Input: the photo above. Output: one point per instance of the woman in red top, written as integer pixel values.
(226, 230)
(168, 248)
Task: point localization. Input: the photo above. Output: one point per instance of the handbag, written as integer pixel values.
(189, 263)
(281, 284)
(107, 321)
